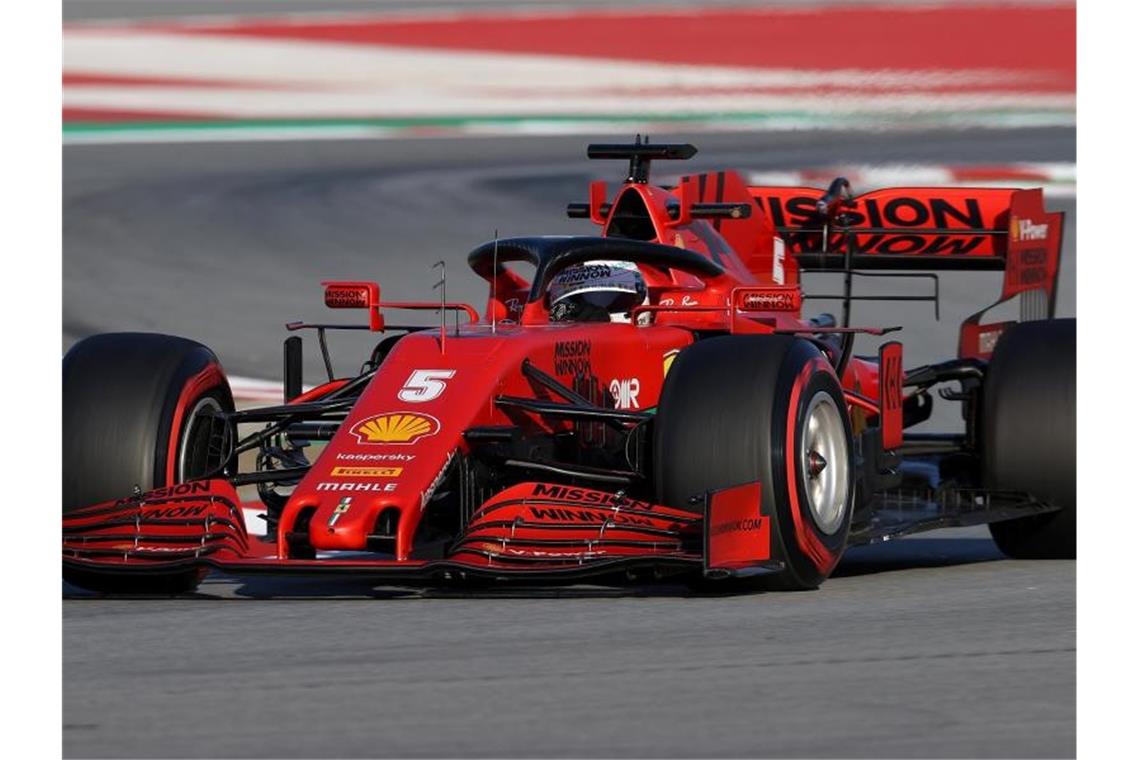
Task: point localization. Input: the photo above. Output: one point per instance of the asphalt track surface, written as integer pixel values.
(933, 646)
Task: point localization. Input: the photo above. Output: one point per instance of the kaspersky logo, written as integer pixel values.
(1025, 229)
(396, 427)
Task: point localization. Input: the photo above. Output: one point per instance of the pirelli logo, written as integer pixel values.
(367, 472)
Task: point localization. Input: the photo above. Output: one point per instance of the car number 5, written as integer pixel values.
(425, 385)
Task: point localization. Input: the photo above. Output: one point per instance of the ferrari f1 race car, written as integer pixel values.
(642, 404)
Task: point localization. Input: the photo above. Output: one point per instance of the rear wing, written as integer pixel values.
(928, 229)
(803, 229)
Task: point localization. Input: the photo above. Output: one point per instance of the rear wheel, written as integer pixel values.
(139, 412)
(1029, 442)
(739, 409)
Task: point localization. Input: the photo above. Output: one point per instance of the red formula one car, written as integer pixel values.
(648, 403)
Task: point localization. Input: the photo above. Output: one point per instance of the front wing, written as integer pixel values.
(535, 532)
(530, 532)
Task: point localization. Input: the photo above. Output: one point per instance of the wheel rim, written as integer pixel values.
(198, 452)
(824, 463)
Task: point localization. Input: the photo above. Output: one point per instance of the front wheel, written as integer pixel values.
(140, 411)
(740, 409)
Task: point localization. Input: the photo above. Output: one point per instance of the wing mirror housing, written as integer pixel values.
(356, 295)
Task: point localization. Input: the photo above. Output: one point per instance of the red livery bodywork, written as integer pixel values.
(517, 389)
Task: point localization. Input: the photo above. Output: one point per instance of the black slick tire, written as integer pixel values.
(1028, 429)
(133, 417)
(730, 409)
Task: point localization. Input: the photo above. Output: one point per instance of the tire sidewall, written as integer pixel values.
(810, 553)
(203, 379)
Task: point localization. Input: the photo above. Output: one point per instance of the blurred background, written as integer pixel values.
(222, 158)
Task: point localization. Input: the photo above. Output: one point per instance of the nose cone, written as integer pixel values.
(372, 483)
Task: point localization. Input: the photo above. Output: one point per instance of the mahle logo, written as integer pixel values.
(396, 427)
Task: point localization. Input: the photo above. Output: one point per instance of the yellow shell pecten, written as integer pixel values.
(395, 428)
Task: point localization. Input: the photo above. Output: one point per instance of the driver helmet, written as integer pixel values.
(597, 291)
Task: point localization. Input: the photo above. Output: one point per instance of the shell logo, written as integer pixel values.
(396, 427)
